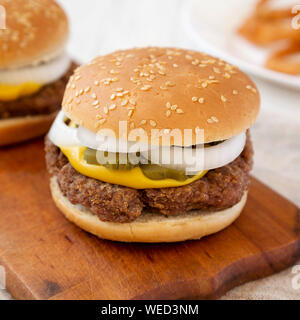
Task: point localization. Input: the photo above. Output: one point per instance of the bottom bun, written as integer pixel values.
(149, 227)
(20, 129)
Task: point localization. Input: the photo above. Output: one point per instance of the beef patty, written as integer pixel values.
(219, 189)
(46, 101)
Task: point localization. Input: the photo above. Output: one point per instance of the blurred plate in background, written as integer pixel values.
(212, 26)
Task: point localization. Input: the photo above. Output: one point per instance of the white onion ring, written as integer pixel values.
(44, 73)
(63, 135)
(193, 160)
(108, 142)
(197, 160)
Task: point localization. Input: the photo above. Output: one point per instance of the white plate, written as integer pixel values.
(212, 26)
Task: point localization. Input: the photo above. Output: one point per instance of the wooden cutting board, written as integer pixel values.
(47, 257)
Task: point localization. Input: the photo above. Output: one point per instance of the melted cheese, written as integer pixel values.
(12, 92)
(133, 178)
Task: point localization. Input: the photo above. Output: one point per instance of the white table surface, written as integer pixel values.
(99, 27)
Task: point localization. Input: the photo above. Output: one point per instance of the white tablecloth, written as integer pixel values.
(102, 26)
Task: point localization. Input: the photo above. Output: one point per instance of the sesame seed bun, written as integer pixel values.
(36, 31)
(20, 129)
(162, 88)
(149, 227)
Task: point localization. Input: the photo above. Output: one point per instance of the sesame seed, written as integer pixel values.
(194, 99)
(112, 71)
(213, 120)
(87, 89)
(105, 109)
(95, 103)
(162, 73)
(119, 89)
(168, 113)
(201, 100)
(143, 122)
(146, 87)
(174, 107)
(96, 83)
(235, 92)
(113, 96)
(94, 96)
(168, 105)
(112, 107)
(152, 123)
(227, 75)
(179, 110)
(175, 65)
(204, 84)
(170, 84)
(163, 88)
(251, 88)
(223, 98)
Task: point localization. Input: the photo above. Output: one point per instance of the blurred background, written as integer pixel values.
(102, 26)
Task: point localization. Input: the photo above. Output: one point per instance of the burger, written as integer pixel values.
(34, 68)
(119, 186)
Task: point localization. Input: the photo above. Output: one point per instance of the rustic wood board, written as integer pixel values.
(46, 257)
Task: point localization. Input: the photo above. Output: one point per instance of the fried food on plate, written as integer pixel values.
(286, 60)
(269, 24)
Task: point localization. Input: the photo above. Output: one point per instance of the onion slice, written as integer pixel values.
(61, 134)
(195, 160)
(43, 73)
(106, 142)
(192, 160)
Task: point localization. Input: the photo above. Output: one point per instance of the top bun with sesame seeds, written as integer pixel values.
(162, 88)
(36, 31)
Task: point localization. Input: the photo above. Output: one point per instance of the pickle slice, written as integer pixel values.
(91, 156)
(156, 172)
(151, 171)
